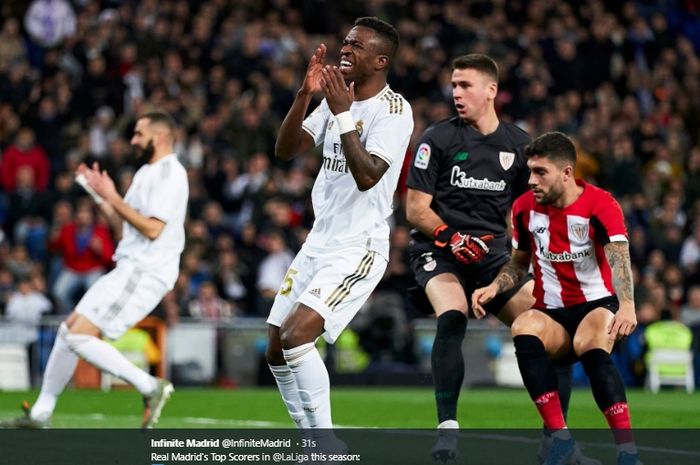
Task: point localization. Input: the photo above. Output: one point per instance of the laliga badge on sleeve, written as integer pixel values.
(422, 156)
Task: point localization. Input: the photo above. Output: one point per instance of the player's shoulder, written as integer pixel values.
(171, 167)
(442, 128)
(599, 197)
(514, 135)
(394, 103)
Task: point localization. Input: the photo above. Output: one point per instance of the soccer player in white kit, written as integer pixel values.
(150, 220)
(365, 128)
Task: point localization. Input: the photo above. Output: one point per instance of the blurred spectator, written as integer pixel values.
(28, 215)
(12, 48)
(230, 273)
(86, 247)
(272, 270)
(101, 132)
(19, 263)
(7, 287)
(25, 152)
(690, 312)
(49, 22)
(690, 253)
(208, 305)
(624, 174)
(26, 305)
(25, 308)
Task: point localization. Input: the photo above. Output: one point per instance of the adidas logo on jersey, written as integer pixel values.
(316, 293)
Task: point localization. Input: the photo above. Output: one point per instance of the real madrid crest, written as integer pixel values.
(359, 126)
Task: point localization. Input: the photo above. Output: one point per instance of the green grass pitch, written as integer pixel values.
(352, 407)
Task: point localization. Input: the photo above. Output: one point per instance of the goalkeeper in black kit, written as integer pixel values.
(465, 174)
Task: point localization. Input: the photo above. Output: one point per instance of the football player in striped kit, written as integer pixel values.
(574, 235)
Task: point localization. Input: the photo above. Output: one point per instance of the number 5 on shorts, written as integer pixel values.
(287, 282)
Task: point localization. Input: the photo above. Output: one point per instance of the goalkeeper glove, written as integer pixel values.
(466, 248)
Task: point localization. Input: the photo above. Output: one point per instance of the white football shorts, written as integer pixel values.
(120, 299)
(334, 285)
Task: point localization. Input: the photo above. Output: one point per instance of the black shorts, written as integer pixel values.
(428, 261)
(571, 317)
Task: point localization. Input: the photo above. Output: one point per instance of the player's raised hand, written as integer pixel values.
(312, 79)
(339, 95)
(481, 297)
(100, 182)
(623, 322)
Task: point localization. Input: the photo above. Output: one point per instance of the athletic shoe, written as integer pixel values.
(561, 451)
(445, 449)
(577, 458)
(153, 404)
(25, 421)
(624, 458)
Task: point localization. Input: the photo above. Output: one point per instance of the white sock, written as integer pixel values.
(449, 424)
(287, 385)
(312, 380)
(59, 371)
(107, 358)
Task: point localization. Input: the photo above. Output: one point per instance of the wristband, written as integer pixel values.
(345, 122)
(442, 235)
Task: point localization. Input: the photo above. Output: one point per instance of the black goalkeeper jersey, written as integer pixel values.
(473, 178)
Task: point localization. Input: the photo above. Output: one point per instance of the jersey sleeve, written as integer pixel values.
(315, 124)
(425, 166)
(167, 194)
(521, 234)
(608, 219)
(390, 133)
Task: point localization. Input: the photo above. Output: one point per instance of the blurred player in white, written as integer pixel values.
(150, 221)
(365, 128)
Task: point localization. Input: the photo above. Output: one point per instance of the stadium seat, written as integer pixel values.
(669, 359)
(507, 372)
(14, 367)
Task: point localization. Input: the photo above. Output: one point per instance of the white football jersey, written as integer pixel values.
(345, 216)
(159, 190)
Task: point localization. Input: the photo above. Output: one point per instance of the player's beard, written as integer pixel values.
(142, 155)
(551, 196)
(146, 152)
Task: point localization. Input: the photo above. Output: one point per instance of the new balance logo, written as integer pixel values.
(316, 293)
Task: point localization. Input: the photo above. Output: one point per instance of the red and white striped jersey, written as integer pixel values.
(568, 259)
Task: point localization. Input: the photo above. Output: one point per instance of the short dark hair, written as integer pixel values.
(160, 117)
(553, 145)
(479, 62)
(387, 32)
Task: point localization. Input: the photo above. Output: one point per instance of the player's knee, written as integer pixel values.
(585, 343)
(76, 341)
(293, 336)
(452, 323)
(530, 322)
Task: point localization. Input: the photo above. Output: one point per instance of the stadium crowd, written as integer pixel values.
(622, 78)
